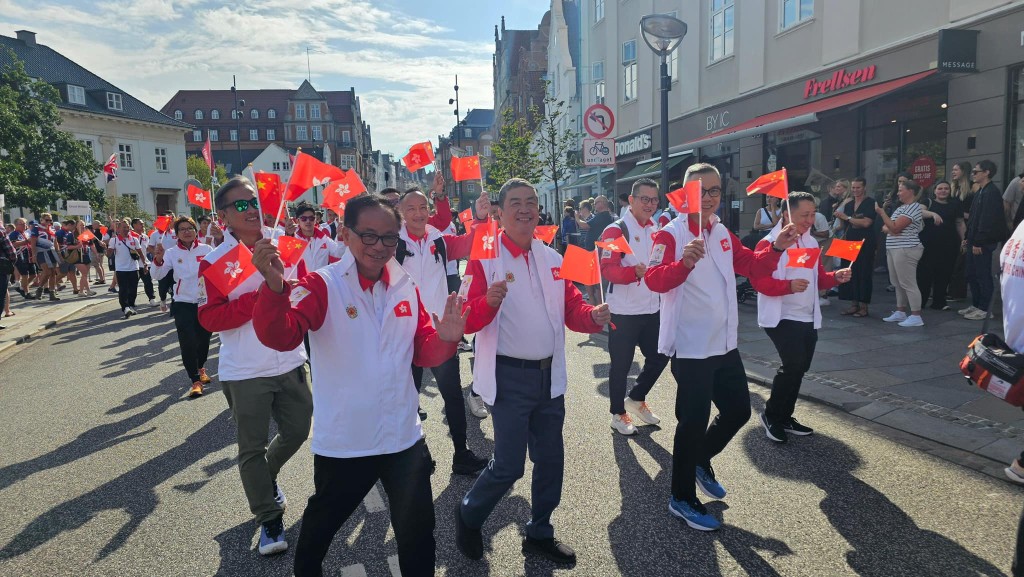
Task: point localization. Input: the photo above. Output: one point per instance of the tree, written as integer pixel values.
(39, 162)
(558, 141)
(197, 168)
(511, 152)
(122, 207)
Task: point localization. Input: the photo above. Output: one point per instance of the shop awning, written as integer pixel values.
(805, 113)
(649, 168)
(586, 180)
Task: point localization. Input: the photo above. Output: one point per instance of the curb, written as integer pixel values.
(4, 347)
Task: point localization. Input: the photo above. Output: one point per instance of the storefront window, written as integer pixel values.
(1015, 148)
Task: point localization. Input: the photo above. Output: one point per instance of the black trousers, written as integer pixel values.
(147, 283)
(795, 342)
(721, 380)
(862, 280)
(193, 339)
(935, 271)
(166, 286)
(449, 383)
(127, 287)
(630, 332)
(4, 281)
(339, 487)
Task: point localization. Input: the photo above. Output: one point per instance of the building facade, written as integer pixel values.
(520, 66)
(472, 135)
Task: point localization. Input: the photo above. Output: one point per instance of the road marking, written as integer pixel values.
(373, 502)
(393, 565)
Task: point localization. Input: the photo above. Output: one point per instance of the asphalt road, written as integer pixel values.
(109, 470)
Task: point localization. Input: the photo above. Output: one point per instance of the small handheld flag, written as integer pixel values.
(615, 245)
(845, 249)
(686, 200)
(545, 233)
(772, 184)
(420, 155)
(231, 270)
(110, 168)
(200, 197)
(802, 257)
(162, 223)
(580, 265)
(466, 168)
(291, 249)
(485, 242)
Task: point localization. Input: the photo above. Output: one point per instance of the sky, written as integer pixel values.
(400, 55)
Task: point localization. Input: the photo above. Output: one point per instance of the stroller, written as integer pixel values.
(744, 291)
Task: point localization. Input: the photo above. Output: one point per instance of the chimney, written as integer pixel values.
(29, 38)
(502, 23)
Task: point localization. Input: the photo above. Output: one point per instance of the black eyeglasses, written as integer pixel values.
(243, 204)
(976, 171)
(370, 239)
(647, 199)
(713, 192)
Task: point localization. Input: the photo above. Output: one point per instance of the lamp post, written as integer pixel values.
(458, 134)
(663, 34)
(238, 122)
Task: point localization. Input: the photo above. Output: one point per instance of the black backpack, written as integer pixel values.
(440, 251)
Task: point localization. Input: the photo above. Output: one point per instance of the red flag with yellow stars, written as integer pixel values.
(466, 168)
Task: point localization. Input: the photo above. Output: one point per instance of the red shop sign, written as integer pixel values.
(839, 80)
(923, 171)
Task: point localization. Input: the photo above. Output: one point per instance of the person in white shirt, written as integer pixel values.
(139, 229)
(321, 250)
(168, 240)
(129, 258)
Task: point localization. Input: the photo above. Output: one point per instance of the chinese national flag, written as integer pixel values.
(231, 269)
(466, 168)
(686, 200)
(845, 249)
(485, 242)
(200, 197)
(545, 233)
(269, 191)
(162, 223)
(773, 184)
(615, 245)
(308, 172)
(208, 154)
(86, 236)
(802, 257)
(420, 155)
(103, 230)
(466, 217)
(580, 265)
(291, 249)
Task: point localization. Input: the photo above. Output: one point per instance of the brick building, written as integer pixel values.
(520, 65)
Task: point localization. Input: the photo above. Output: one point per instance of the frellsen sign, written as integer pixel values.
(839, 80)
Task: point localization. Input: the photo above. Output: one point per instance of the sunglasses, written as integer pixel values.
(307, 218)
(243, 204)
(370, 239)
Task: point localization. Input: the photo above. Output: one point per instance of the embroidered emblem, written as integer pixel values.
(403, 309)
(509, 277)
(725, 244)
(464, 287)
(352, 311)
(657, 255)
(556, 273)
(298, 293)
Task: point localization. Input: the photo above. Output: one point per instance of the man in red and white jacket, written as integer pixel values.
(789, 311)
(520, 307)
(321, 249)
(634, 307)
(695, 269)
(367, 324)
(259, 382)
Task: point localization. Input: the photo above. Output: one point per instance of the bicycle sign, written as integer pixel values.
(598, 151)
(598, 120)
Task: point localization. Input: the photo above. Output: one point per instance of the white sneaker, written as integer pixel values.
(623, 425)
(967, 310)
(477, 406)
(977, 315)
(824, 302)
(641, 410)
(912, 321)
(896, 317)
(152, 302)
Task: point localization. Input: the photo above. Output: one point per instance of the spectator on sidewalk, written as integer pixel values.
(941, 239)
(903, 252)
(963, 190)
(70, 255)
(8, 258)
(1012, 201)
(99, 250)
(25, 266)
(858, 214)
(111, 264)
(44, 254)
(986, 228)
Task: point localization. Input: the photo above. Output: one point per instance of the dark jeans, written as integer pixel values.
(193, 339)
(166, 286)
(719, 379)
(795, 342)
(4, 281)
(861, 282)
(147, 284)
(935, 270)
(339, 487)
(979, 276)
(632, 331)
(127, 287)
(958, 283)
(449, 382)
(525, 417)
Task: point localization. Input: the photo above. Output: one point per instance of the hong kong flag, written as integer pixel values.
(200, 197)
(845, 249)
(485, 242)
(338, 193)
(270, 193)
(86, 236)
(686, 200)
(231, 269)
(615, 245)
(466, 168)
(466, 217)
(802, 257)
(545, 233)
(420, 154)
(308, 172)
(403, 309)
(291, 249)
(773, 184)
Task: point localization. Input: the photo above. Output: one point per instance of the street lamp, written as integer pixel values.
(663, 34)
(458, 134)
(238, 122)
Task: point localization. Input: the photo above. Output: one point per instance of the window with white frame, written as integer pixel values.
(125, 160)
(161, 159)
(286, 166)
(314, 111)
(271, 134)
(469, 149)
(598, 10)
(254, 134)
(628, 70)
(197, 136)
(271, 113)
(254, 114)
(76, 95)
(346, 137)
(214, 134)
(722, 28)
(199, 114)
(318, 132)
(301, 133)
(487, 151)
(467, 133)
(234, 114)
(348, 161)
(300, 110)
(114, 101)
(215, 114)
(598, 70)
(793, 12)
(178, 115)
(232, 134)
(470, 187)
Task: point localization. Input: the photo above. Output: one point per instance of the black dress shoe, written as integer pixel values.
(469, 541)
(552, 549)
(466, 462)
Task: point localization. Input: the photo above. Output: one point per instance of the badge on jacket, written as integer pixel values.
(352, 311)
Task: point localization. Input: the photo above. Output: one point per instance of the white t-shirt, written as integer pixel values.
(1011, 283)
(168, 239)
(123, 247)
(820, 222)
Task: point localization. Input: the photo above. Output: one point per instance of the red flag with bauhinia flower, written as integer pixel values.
(103, 230)
(86, 236)
(200, 197)
(615, 245)
(308, 172)
(845, 249)
(686, 200)
(802, 257)
(466, 168)
(208, 154)
(162, 223)
(291, 249)
(466, 217)
(347, 186)
(485, 241)
(420, 154)
(772, 184)
(335, 201)
(270, 193)
(580, 265)
(545, 233)
(231, 269)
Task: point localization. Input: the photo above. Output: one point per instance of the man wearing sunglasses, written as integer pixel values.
(322, 250)
(259, 382)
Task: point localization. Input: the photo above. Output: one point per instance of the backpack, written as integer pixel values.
(440, 251)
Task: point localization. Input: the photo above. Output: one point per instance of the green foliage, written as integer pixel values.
(558, 142)
(39, 162)
(197, 168)
(511, 154)
(122, 207)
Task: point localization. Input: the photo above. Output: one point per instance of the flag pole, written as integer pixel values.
(789, 209)
(600, 282)
(700, 207)
(280, 209)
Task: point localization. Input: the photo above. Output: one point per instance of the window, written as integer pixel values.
(598, 10)
(215, 114)
(1015, 147)
(348, 161)
(467, 133)
(271, 134)
(76, 94)
(199, 114)
(314, 111)
(197, 136)
(161, 159)
(318, 133)
(271, 113)
(470, 187)
(124, 157)
(214, 135)
(300, 111)
(254, 114)
(234, 114)
(722, 23)
(114, 101)
(254, 134)
(301, 133)
(469, 149)
(487, 151)
(795, 12)
(286, 166)
(346, 137)
(233, 135)
(598, 70)
(628, 70)
(178, 115)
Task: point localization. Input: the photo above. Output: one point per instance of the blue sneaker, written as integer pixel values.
(694, 513)
(272, 537)
(708, 484)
